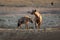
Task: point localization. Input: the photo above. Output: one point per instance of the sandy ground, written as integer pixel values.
(11, 14)
(30, 34)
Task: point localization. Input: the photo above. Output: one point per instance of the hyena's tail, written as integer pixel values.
(18, 25)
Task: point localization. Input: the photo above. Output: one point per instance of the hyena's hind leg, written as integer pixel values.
(35, 25)
(38, 26)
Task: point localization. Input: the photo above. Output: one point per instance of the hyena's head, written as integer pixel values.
(33, 11)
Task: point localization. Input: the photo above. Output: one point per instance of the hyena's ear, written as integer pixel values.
(35, 10)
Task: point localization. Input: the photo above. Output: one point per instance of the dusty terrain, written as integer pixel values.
(29, 3)
(10, 15)
(31, 34)
(50, 29)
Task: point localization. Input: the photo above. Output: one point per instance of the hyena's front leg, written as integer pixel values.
(26, 25)
(20, 26)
